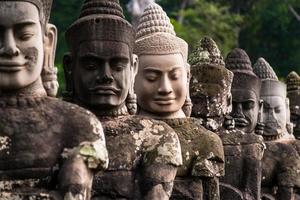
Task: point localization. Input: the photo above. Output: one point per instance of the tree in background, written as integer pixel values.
(267, 28)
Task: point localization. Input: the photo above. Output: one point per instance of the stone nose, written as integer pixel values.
(105, 75)
(8, 47)
(165, 86)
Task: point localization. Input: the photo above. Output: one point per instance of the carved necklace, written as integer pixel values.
(22, 101)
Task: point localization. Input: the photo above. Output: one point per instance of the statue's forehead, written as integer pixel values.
(273, 101)
(103, 48)
(240, 95)
(16, 11)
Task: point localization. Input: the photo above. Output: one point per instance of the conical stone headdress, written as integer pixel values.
(239, 63)
(271, 86)
(100, 20)
(293, 91)
(44, 7)
(156, 35)
(209, 75)
(293, 82)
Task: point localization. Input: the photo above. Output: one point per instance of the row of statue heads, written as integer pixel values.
(163, 124)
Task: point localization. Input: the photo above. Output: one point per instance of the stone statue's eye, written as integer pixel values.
(151, 77)
(25, 36)
(118, 64)
(175, 75)
(277, 110)
(248, 105)
(90, 66)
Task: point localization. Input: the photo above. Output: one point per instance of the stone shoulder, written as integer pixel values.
(157, 140)
(81, 121)
(236, 136)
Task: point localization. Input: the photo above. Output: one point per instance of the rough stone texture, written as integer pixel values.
(281, 169)
(203, 160)
(210, 93)
(133, 143)
(34, 132)
(293, 93)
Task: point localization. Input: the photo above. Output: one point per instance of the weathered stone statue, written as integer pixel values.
(245, 91)
(211, 97)
(162, 90)
(47, 147)
(100, 71)
(281, 161)
(293, 93)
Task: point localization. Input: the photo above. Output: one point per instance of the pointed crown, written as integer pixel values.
(238, 60)
(156, 35)
(44, 7)
(100, 20)
(244, 78)
(271, 86)
(207, 52)
(293, 81)
(208, 69)
(264, 70)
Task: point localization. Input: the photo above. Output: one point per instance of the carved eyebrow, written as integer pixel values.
(25, 23)
(152, 69)
(89, 55)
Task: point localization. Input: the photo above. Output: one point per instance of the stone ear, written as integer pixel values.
(49, 72)
(131, 100)
(67, 66)
(135, 64)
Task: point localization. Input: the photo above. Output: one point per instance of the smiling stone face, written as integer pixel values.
(21, 45)
(161, 84)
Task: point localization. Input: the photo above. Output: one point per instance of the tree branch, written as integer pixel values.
(293, 11)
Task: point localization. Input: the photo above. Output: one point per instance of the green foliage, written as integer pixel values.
(273, 32)
(202, 18)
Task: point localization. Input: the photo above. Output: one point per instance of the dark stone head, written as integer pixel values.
(245, 90)
(101, 60)
(210, 81)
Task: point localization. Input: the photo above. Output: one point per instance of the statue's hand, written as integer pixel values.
(259, 129)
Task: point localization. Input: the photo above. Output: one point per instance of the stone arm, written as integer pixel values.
(157, 181)
(75, 179)
(252, 160)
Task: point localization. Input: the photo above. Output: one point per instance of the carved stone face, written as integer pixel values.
(295, 112)
(102, 74)
(21, 45)
(245, 107)
(161, 84)
(210, 104)
(274, 115)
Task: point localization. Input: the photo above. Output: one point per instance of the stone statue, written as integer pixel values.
(245, 91)
(136, 9)
(48, 147)
(162, 90)
(144, 154)
(281, 161)
(211, 97)
(293, 93)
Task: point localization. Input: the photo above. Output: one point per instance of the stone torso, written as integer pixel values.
(243, 155)
(133, 143)
(280, 167)
(202, 154)
(34, 131)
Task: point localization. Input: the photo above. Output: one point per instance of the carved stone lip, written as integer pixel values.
(164, 101)
(241, 122)
(11, 68)
(104, 90)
